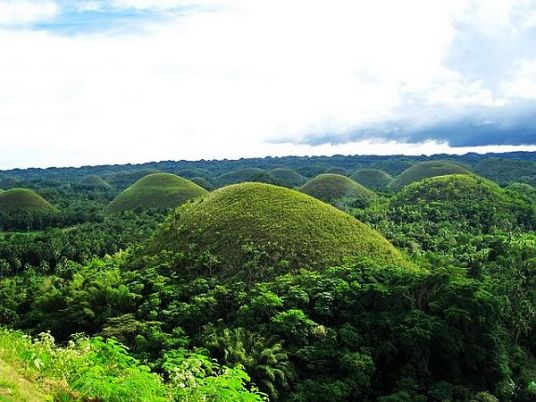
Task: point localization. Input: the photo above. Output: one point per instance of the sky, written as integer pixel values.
(85, 82)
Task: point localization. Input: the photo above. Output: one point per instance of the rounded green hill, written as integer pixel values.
(156, 191)
(424, 170)
(94, 182)
(245, 175)
(270, 224)
(24, 200)
(337, 170)
(336, 189)
(374, 179)
(470, 202)
(287, 177)
(202, 182)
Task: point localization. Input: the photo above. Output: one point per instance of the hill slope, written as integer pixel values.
(94, 182)
(23, 200)
(373, 179)
(244, 175)
(269, 224)
(287, 177)
(426, 169)
(466, 201)
(158, 190)
(336, 189)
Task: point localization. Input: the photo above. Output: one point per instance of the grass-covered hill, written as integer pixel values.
(505, 171)
(337, 170)
(244, 175)
(337, 189)
(269, 224)
(374, 179)
(156, 191)
(465, 201)
(202, 182)
(287, 177)
(93, 182)
(24, 200)
(426, 169)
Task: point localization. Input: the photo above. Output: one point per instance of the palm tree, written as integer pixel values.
(265, 360)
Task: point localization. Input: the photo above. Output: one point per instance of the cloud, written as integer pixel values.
(22, 12)
(250, 78)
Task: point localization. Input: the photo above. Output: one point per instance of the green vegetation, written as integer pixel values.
(287, 177)
(278, 226)
(202, 182)
(336, 170)
(156, 191)
(257, 292)
(245, 175)
(337, 190)
(505, 171)
(23, 200)
(426, 169)
(94, 182)
(102, 370)
(373, 179)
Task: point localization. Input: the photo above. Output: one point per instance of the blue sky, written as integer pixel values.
(92, 81)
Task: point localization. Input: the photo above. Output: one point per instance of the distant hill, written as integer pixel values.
(337, 170)
(156, 191)
(505, 171)
(287, 177)
(238, 222)
(424, 170)
(245, 175)
(23, 200)
(94, 182)
(336, 189)
(373, 179)
(472, 203)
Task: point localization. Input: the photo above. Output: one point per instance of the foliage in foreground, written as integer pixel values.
(102, 370)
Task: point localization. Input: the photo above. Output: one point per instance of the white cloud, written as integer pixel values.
(220, 84)
(522, 83)
(17, 12)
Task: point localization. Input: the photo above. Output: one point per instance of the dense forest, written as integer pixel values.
(344, 278)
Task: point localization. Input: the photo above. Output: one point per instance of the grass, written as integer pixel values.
(424, 170)
(271, 224)
(374, 179)
(94, 182)
(156, 191)
(16, 388)
(202, 182)
(287, 177)
(452, 188)
(336, 189)
(23, 200)
(244, 175)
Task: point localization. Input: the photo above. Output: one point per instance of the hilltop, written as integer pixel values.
(93, 182)
(23, 200)
(244, 175)
(156, 191)
(269, 224)
(374, 179)
(287, 177)
(336, 189)
(424, 170)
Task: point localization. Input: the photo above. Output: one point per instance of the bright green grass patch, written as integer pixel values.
(424, 170)
(15, 388)
(156, 191)
(268, 224)
(23, 200)
(336, 189)
(374, 179)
